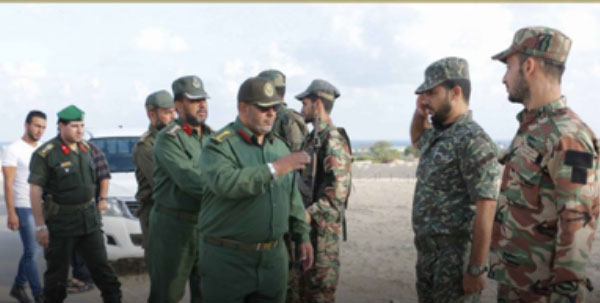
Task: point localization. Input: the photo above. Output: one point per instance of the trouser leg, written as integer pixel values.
(93, 250)
(58, 258)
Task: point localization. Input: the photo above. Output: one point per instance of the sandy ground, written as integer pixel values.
(377, 260)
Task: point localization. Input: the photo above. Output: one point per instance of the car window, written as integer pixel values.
(118, 151)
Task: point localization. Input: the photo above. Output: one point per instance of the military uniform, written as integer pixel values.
(549, 201)
(72, 217)
(289, 125)
(457, 167)
(178, 192)
(326, 202)
(142, 158)
(245, 212)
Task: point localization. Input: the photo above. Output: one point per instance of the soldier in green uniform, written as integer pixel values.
(178, 191)
(159, 108)
(289, 125)
(325, 189)
(250, 201)
(549, 201)
(62, 174)
(457, 187)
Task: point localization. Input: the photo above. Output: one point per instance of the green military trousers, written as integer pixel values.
(441, 263)
(144, 217)
(172, 257)
(58, 258)
(234, 276)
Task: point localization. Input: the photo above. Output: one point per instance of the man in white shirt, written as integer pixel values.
(15, 169)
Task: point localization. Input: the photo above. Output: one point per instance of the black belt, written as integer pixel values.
(265, 246)
(438, 242)
(187, 215)
(75, 207)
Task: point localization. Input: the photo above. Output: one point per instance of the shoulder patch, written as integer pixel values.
(173, 129)
(43, 152)
(145, 135)
(87, 146)
(222, 135)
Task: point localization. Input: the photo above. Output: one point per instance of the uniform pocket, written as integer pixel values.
(67, 177)
(523, 188)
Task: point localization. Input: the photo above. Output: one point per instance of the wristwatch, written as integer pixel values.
(476, 270)
(272, 170)
(40, 228)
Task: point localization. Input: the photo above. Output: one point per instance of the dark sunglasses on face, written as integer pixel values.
(265, 109)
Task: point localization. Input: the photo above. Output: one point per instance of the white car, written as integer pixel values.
(121, 226)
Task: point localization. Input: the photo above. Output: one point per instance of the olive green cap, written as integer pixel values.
(159, 99)
(191, 87)
(275, 76)
(321, 89)
(259, 91)
(71, 113)
(450, 68)
(542, 42)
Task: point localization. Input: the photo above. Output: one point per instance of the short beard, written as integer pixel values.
(441, 115)
(31, 137)
(159, 125)
(521, 91)
(193, 120)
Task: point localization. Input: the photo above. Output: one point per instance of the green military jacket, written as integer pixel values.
(547, 211)
(68, 182)
(289, 125)
(142, 158)
(457, 167)
(242, 201)
(177, 170)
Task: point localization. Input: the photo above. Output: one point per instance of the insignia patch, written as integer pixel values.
(67, 170)
(173, 129)
(196, 82)
(269, 90)
(65, 164)
(44, 151)
(222, 135)
(580, 163)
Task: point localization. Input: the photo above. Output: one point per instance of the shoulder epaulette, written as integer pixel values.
(87, 146)
(44, 150)
(173, 129)
(222, 135)
(144, 136)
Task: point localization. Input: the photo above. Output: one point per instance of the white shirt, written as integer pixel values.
(18, 154)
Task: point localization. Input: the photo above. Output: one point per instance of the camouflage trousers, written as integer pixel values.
(441, 263)
(293, 288)
(319, 283)
(508, 294)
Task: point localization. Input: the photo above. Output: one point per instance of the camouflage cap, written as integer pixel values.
(542, 42)
(159, 99)
(259, 91)
(321, 89)
(191, 87)
(275, 76)
(71, 113)
(449, 68)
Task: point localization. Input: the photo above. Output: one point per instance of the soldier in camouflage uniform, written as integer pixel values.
(548, 205)
(325, 190)
(457, 187)
(159, 108)
(290, 127)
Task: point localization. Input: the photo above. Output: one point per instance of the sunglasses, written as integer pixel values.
(265, 109)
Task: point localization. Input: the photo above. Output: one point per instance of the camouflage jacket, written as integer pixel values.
(289, 125)
(457, 167)
(333, 176)
(548, 204)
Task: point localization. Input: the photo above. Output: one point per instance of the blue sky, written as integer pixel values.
(106, 58)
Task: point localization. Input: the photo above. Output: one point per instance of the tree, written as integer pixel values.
(383, 152)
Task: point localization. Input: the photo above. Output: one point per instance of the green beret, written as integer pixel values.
(159, 99)
(71, 113)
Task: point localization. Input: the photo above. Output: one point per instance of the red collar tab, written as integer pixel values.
(65, 149)
(187, 129)
(82, 147)
(245, 136)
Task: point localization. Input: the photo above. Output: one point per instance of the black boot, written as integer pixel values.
(38, 298)
(18, 292)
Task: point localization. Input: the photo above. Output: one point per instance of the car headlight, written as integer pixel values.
(117, 208)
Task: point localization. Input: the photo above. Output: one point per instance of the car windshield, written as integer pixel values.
(118, 151)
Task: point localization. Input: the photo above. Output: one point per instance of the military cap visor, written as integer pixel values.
(321, 89)
(542, 42)
(190, 87)
(259, 91)
(440, 71)
(71, 113)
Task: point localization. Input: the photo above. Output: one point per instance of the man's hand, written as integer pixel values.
(102, 205)
(308, 218)
(472, 284)
(421, 108)
(12, 221)
(293, 161)
(42, 237)
(306, 255)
